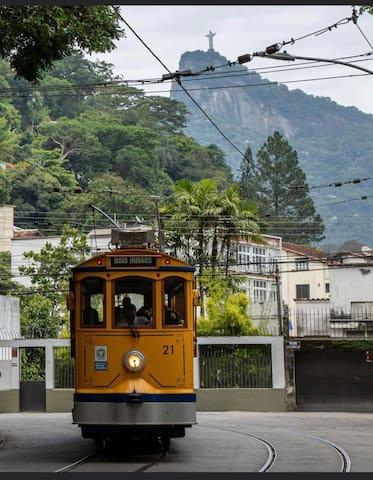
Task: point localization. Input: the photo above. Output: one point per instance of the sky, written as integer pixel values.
(170, 30)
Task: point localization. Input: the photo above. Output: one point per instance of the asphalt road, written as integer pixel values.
(221, 442)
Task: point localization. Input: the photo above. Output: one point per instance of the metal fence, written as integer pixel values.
(220, 366)
(235, 366)
(64, 372)
(326, 322)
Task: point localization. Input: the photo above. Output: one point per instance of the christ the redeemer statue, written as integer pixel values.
(210, 35)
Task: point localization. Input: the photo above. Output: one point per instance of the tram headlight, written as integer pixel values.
(134, 361)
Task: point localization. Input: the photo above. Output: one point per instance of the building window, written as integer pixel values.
(327, 288)
(302, 291)
(244, 256)
(259, 259)
(302, 264)
(259, 291)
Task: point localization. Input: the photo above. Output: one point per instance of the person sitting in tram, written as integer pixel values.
(126, 314)
(143, 316)
(171, 317)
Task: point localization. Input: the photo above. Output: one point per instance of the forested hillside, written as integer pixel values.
(82, 129)
(334, 143)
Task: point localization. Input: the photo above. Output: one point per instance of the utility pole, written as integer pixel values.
(278, 297)
(155, 199)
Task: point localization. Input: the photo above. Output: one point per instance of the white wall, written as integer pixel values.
(20, 245)
(9, 317)
(316, 277)
(350, 284)
(6, 226)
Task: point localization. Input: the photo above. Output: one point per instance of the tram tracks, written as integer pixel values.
(277, 444)
(272, 452)
(102, 455)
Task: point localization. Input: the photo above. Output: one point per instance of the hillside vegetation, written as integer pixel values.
(83, 129)
(334, 143)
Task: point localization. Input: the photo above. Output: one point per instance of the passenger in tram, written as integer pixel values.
(171, 317)
(91, 317)
(143, 316)
(125, 315)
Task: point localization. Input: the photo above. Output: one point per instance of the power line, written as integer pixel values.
(186, 91)
(334, 184)
(354, 19)
(115, 84)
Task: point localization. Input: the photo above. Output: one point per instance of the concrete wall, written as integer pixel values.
(208, 399)
(9, 401)
(260, 400)
(59, 400)
(241, 399)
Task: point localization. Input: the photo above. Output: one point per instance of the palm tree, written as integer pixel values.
(238, 219)
(193, 215)
(205, 223)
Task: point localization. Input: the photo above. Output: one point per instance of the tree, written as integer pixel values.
(247, 169)
(205, 222)
(278, 185)
(226, 310)
(78, 146)
(33, 37)
(49, 271)
(7, 285)
(35, 192)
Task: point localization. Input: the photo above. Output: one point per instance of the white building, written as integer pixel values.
(9, 330)
(351, 294)
(259, 263)
(6, 226)
(305, 289)
(28, 240)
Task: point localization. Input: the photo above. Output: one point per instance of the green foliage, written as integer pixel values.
(80, 149)
(5, 187)
(32, 364)
(7, 285)
(39, 317)
(214, 218)
(333, 142)
(33, 191)
(236, 366)
(226, 310)
(81, 124)
(43, 312)
(33, 37)
(278, 185)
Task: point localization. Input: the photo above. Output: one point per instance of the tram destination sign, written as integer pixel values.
(133, 261)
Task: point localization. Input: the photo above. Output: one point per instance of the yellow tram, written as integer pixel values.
(133, 336)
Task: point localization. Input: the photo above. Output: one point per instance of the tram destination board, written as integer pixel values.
(133, 261)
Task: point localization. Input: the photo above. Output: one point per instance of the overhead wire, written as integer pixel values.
(57, 91)
(355, 17)
(186, 91)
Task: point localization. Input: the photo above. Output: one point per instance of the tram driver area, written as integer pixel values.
(134, 305)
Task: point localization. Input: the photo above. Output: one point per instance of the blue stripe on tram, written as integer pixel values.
(145, 397)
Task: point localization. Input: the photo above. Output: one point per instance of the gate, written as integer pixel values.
(334, 381)
(32, 382)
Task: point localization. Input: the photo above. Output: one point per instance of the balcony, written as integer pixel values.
(326, 322)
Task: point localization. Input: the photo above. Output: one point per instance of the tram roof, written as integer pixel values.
(133, 252)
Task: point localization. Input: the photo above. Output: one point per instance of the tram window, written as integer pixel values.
(93, 302)
(174, 302)
(133, 301)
